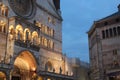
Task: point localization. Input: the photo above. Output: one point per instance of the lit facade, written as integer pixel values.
(31, 41)
(104, 48)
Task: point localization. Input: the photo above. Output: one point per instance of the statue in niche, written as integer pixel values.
(11, 31)
(67, 72)
(27, 35)
(54, 70)
(60, 70)
(19, 35)
(27, 38)
(34, 40)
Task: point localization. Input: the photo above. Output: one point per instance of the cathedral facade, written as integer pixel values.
(31, 41)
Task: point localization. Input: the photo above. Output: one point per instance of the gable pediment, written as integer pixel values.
(49, 6)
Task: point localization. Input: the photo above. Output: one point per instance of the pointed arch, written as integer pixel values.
(12, 32)
(27, 34)
(19, 32)
(26, 64)
(35, 38)
(11, 29)
(19, 28)
(28, 56)
(34, 34)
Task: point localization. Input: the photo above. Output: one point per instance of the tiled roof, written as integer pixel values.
(110, 16)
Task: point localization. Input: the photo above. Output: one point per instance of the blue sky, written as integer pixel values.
(78, 17)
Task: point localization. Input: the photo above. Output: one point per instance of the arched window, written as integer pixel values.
(2, 26)
(118, 30)
(42, 41)
(19, 32)
(52, 32)
(115, 31)
(27, 34)
(4, 10)
(46, 42)
(43, 28)
(46, 30)
(35, 38)
(111, 33)
(51, 44)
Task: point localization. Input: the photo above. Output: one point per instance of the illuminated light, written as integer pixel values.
(48, 79)
(1, 22)
(21, 63)
(19, 28)
(33, 68)
(71, 73)
(2, 74)
(3, 6)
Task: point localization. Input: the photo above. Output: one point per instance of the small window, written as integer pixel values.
(111, 33)
(116, 64)
(115, 31)
(118, 30)
(114, 52)
(117, 20)
(107, 34)
(6, 12)
(103, 34)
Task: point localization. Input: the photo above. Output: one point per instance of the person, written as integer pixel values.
(60, 70)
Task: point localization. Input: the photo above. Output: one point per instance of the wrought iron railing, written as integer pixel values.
(27, 45)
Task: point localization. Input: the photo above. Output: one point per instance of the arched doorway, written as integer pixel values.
(2, 76)
(24, 67)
